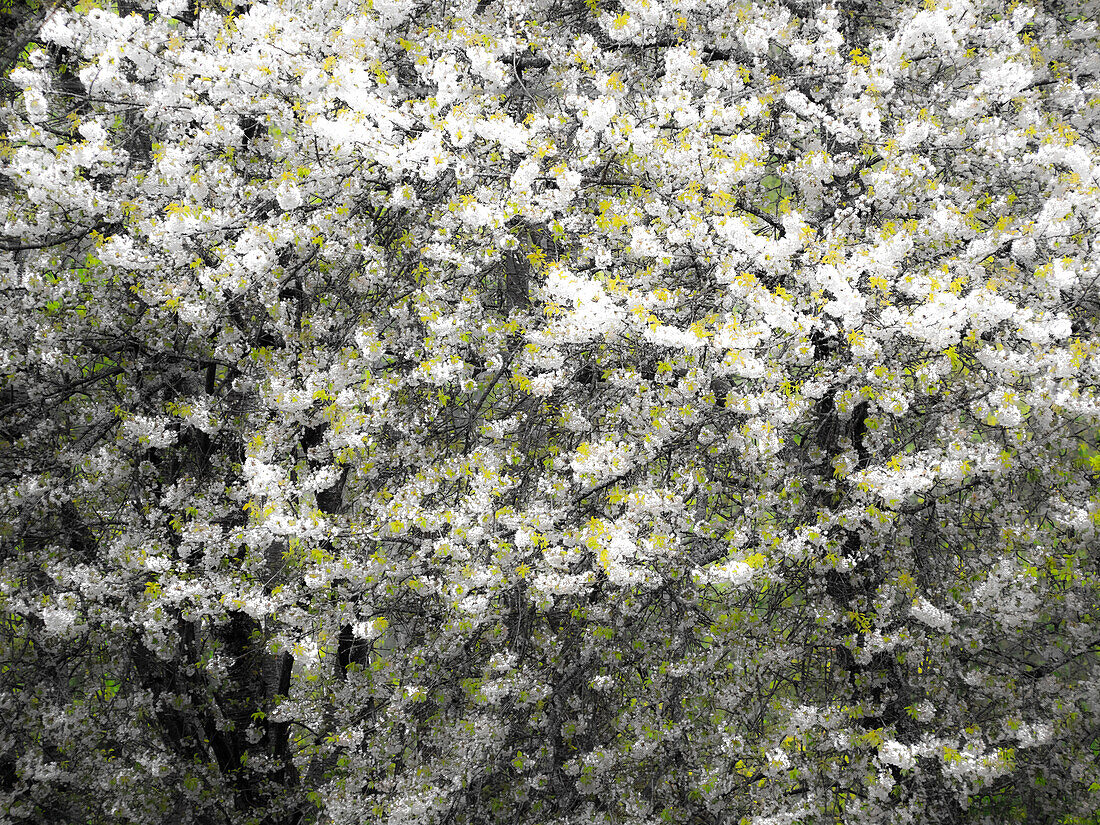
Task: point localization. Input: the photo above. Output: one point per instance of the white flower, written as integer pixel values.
(171, 8)
(59, 27)
(485, 65)
(58, 620)
(36, 104)
(1006, 594)
(256, 260)
(92, 131)
(151, 432)
(392, 12)
(601, 460)
(1061, 277)
(543, 385)
(1031, 735)
(777, 758)
(895, 753)
(288, 196)
(870, 122)
(597, 116)
(927, 613)
(894, 402)
(643, 242)
(602, 683)
(262, 479)
(524, 176)
(731, 574)
(568, 180)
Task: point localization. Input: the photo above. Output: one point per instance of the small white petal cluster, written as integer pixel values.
(929, 615)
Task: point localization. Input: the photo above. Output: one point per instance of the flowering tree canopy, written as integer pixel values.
(551, 411)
